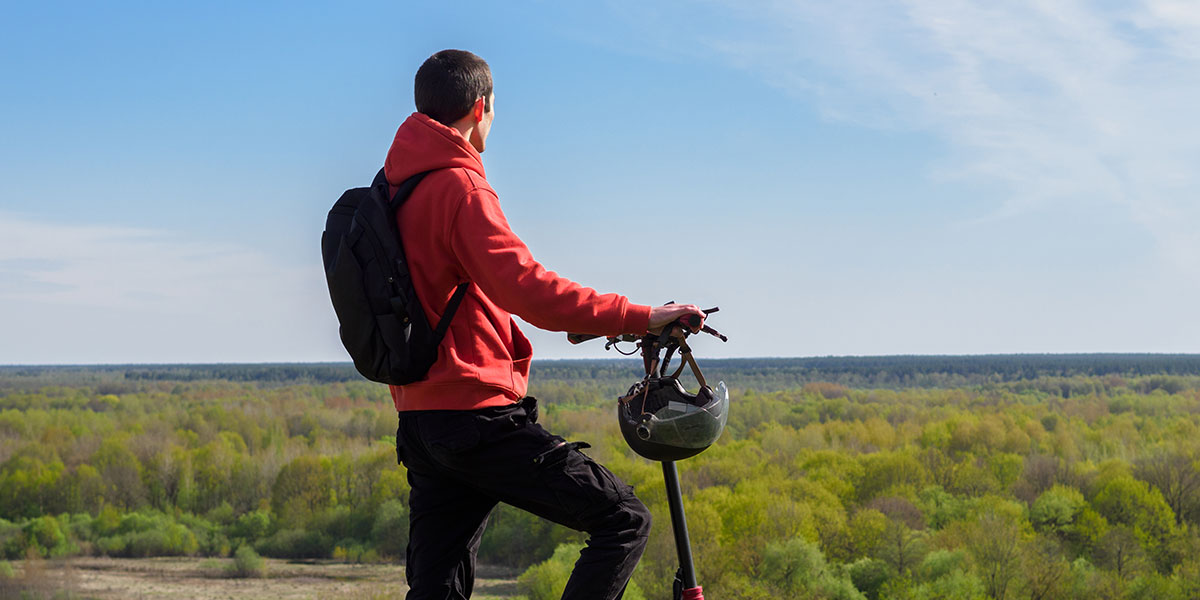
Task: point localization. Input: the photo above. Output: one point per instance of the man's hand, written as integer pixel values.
(661, 316)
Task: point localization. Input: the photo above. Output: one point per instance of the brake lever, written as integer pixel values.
(714, 333)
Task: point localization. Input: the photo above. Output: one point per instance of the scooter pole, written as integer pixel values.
(687, 572)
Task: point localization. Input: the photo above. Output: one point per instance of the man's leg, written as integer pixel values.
(446, 523)
(616, 544)
(500, 454)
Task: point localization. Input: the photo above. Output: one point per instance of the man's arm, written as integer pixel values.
(501, 265)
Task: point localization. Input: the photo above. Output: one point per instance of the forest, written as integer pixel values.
(993, 477)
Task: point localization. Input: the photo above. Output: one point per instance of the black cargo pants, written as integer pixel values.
(461, 463)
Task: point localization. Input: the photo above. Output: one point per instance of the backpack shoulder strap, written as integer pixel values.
(451, 308)
(403, 191)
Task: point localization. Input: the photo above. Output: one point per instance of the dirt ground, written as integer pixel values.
(206, 579)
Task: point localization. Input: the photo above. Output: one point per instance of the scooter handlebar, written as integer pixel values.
(688, 322)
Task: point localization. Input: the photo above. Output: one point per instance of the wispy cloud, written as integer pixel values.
(152, 296)
(139, 269)
(1075, 104)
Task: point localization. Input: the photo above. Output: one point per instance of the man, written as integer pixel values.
(466, 433)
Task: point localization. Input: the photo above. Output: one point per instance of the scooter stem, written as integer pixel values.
(683, 545)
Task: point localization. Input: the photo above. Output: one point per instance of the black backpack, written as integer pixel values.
(382, 323)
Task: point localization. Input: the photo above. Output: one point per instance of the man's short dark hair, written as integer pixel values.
(449, 82)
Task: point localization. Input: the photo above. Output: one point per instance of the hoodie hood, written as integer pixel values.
(422, 144)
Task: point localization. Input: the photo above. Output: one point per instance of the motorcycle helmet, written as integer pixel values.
(662, 421)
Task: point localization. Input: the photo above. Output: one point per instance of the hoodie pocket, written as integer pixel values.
(522, 356)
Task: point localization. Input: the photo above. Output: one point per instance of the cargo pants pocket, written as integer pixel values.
(582, 488)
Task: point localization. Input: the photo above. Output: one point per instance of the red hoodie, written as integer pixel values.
(454, 231)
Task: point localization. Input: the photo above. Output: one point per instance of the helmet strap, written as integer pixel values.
(667, 362)
(685, 352)
(652, 345)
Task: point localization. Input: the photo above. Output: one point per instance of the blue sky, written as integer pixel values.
(850, 178)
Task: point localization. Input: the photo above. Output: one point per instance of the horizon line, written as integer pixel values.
(615, 358)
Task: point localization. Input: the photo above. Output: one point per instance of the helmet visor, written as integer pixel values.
(686, 425)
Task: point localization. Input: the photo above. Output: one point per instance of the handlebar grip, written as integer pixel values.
(689, 321)
(579, 338)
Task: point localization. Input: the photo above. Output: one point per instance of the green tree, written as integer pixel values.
(901, 548)
(247, 563)
(546, 580)
(1121, 551)
(885, 471)
(955, 585)
(1055, 510)
(869, 575)
(1087, 530)
(940, 563)
(796, 568)
(122, 473)
(390, 529)
(1176, 475)
(1044, 571)
(995, 544)
(28, 481)
(302, 488)
(1127, 501)
(45, 537)
(862, 536)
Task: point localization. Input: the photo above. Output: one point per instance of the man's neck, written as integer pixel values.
(465, 126)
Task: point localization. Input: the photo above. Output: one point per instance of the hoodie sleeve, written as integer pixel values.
(497, 261)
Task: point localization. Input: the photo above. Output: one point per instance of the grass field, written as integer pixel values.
(206, 579)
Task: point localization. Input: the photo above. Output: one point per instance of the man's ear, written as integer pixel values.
(478, 109)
